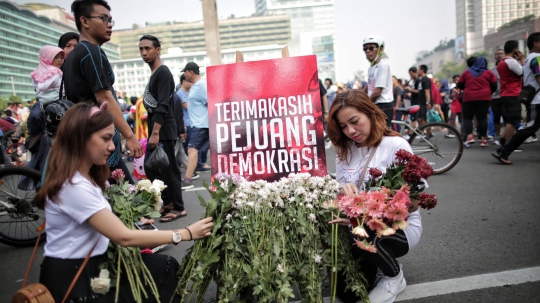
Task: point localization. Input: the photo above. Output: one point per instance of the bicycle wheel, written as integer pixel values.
(20, 223)
(442, 149)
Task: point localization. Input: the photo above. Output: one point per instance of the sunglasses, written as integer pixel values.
(370, 48)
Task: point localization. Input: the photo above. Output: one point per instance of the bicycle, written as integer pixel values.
(438, 142)
(20, 219)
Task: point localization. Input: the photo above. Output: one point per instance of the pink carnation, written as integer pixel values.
(376, 204)
(376, 224)
(365, 245)
(397, 212)
(359, 204)
(401, 198)
(118, 174)
(406, 189)
(345, 205)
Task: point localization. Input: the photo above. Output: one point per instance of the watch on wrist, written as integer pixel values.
(176, 237)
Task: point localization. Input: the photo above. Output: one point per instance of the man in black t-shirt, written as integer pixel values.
(424, 94)
(163, 129)
(88, 75)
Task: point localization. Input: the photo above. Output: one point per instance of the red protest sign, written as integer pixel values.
(266, 118)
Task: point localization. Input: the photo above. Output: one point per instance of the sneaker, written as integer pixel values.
(202, 169)
(450, 135)
(470, 140)
(519, 150)
(406, 137)
(195, 176)
(531, 139)
(484, 143)
(387, 289)
(186, 185)
(496, 142)
(490, 138)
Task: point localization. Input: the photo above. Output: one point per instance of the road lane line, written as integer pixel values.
(456, 285)
(449, 286)
(195, 189)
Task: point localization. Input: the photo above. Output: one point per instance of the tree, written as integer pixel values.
(135, 26)
(15, 99)
(517, 21)
(450, 69)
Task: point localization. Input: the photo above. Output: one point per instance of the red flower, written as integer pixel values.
(427, 201)
(375, 173)
(403, 156)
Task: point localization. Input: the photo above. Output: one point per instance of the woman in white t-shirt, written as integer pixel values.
(357, 128)
(79, 218)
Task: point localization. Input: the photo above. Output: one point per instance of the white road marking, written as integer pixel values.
(195, 189)
(456, 285)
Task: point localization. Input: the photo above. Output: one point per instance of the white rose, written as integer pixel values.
(144, 184)
(102, 284)
(159, 184)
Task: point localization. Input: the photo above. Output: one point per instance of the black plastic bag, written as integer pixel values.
(157, 159)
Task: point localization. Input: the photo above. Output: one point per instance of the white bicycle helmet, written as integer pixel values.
(373, 39)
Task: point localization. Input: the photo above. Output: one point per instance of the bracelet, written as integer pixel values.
(190, 235)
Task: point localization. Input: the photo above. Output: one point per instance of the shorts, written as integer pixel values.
(198, 137)
(511, 110)
(414, 116)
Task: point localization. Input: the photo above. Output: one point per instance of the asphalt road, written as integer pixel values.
(485, 224)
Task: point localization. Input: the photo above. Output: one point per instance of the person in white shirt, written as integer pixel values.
(379, 88)
(79, 218)
(531, 76)
(357, 128)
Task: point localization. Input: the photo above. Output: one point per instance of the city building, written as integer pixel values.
(436, 61)
(22, 34)
(306, 15)
(312, 28)
(234, 33)
(519, 32)
(478, 18)
(133, 74)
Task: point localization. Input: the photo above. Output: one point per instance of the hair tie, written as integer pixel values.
(95, 109)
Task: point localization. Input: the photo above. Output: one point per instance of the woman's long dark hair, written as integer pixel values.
(69, 149)
(359, 100)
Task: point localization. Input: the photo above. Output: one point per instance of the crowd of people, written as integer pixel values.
(82, 140)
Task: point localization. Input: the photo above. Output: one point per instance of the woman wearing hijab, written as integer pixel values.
(478, 84)
(68, 41)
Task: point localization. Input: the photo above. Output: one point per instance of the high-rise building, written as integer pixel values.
(132, 74)
(22, 34)
(477, 18)
(306, 15)
(234, 33)
(312, 28)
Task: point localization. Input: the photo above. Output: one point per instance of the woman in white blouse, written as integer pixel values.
(79, 218)
(357, 129)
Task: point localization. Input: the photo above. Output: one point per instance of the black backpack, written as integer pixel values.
(54, 112)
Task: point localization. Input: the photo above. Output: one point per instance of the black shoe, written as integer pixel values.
(195, 176)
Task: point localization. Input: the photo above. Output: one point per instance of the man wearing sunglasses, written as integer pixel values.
(88, 75)
(379, 87)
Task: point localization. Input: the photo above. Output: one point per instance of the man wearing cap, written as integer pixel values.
(198, 114)
(379, 88)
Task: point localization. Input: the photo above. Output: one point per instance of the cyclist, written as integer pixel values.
(379, 88)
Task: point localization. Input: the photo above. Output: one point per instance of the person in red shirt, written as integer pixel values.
(479, 83)
(456, 105)
(510, 71)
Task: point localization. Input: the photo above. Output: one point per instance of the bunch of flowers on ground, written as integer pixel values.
(131, 204)
(266, 238)
(384, 207)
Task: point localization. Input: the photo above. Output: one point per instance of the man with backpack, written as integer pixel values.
(88, 75)
(531, 87)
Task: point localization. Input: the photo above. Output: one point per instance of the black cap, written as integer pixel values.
(192, 66)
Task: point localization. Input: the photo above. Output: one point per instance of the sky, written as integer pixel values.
(407, 27)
